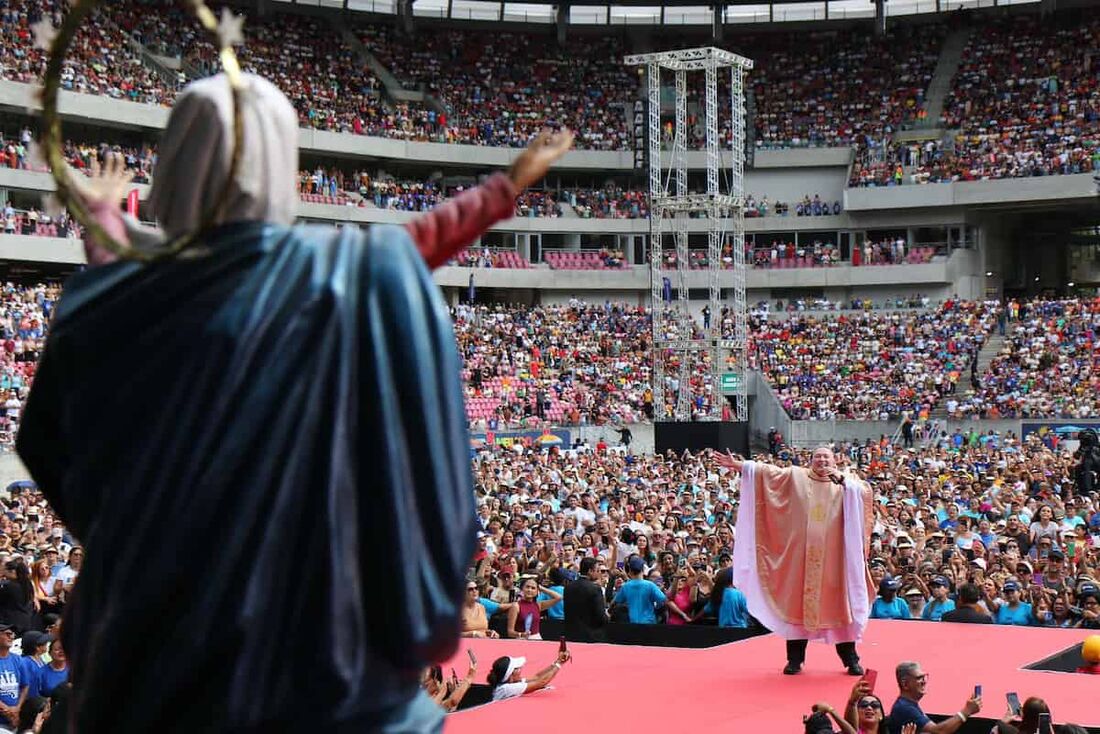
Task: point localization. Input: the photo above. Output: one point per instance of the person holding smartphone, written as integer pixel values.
(1025, 719)
(912, 685)
(507, 680)
(457, 688)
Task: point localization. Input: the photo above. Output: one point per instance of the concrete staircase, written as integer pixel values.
(992, 347)
(950, 56)
(156, 64)
(390, 83)
(994, 342)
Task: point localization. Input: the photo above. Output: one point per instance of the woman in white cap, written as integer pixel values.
(507, 681)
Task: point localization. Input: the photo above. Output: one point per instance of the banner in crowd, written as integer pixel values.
(1060, 433)
(557, 437)
(1066, 428)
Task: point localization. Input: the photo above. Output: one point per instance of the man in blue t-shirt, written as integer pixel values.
(912, 682)
(14, 680)
(940, 603)
(641, 597)
(1013, 611)
(557, 584)
(33, 658)
(888, 605)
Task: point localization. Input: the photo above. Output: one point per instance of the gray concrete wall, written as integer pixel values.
(562, 297)
(106, 111)
(643, 437)
(813, 433)
(886, 278)
(41, 249)
(791, 184)
(765, 411)
(1047, 189)
(11, 469)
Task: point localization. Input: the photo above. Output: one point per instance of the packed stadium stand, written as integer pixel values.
(843, 120)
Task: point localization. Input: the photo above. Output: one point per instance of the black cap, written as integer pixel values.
(32, 639)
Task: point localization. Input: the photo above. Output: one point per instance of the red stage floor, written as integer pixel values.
(738, 687)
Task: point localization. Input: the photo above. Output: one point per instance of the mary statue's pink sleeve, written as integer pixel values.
(444, 231)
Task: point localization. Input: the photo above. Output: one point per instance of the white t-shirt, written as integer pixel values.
(66, 574)
(509, 690)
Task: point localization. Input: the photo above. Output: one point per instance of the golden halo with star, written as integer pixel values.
(226, 33)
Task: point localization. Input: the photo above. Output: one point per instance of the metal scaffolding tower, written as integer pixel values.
(681, 347)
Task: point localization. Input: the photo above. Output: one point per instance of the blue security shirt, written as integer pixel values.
(905, 712)
(13, 679)
(640, 597)
(48, 679)
(558, 610)
(934, 610)
(734, 611)
(1021, 615)
(896, 609)
(491, 607)
(31, 666)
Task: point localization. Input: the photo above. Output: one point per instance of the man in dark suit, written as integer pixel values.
(968, 609)
(585, 607)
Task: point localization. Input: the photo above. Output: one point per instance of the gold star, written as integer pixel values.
(44, 33)
(230, 29)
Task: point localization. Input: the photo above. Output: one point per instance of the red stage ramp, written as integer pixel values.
(739, 688)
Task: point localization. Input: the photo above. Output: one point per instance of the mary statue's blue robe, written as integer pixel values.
(263, 447)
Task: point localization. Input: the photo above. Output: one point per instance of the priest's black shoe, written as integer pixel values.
(792, 669)
(855, 669)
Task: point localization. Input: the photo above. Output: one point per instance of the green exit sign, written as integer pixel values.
(731, 382)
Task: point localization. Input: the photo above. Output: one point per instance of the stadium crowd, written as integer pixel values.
(24, 315)
(806, 207)
(503, 88)
(100, 59)
(589, 364)
(838, 88)
(1046, 368)
(1024, 101)
(567, 364)
(36, 223)
(788, 254)
(869, 365)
